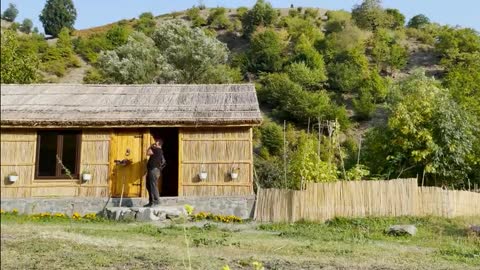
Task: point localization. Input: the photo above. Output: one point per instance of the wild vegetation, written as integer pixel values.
(91, 243)
(342, 92)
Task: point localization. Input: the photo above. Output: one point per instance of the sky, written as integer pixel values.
(92, 13)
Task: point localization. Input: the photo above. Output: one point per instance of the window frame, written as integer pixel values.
(58, 169)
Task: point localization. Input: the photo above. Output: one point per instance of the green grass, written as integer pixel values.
(338, 244)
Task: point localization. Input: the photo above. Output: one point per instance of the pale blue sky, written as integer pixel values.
(98, 12)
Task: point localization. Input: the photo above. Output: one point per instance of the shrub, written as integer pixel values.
(266, 51)
(262, 13)
(218, 19)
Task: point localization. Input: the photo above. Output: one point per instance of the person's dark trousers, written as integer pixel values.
(152, 185)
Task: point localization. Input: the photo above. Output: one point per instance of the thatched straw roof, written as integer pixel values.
(61, 105)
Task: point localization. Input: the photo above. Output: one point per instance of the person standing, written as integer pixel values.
(156, 162)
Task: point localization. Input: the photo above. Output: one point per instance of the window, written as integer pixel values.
(56, 146)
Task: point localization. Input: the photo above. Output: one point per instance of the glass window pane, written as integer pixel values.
(47, 162)
(69, 153)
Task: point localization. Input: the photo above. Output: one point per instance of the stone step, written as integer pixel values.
(156, 213)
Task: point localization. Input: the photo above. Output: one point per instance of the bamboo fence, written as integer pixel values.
(400, 197)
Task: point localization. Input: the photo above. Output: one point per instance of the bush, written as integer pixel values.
(193, 14)
(364, 105)
(146, 23)
(310, 79)
(26, 26)
(418, 21)
(10, 13)
(218, 19)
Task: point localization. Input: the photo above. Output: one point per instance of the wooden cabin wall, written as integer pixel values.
(217, 150)
(18, 149)
(17, 155)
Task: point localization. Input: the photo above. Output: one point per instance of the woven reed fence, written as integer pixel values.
(323, 201)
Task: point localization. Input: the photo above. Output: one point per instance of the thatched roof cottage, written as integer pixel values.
(53, 134)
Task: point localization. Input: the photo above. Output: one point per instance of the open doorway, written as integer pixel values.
(169, 184)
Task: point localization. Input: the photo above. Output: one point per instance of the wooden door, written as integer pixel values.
(128, 145)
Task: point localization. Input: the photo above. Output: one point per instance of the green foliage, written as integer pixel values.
(311, 13)
(266, 51)
(337, 20)
(305, 164)
(118, 35)
(370, 15)
(272, 138)
(358, 172)
(427, 131)
(262, 13)
(56, 15)
(10, 13)
(90, 47)
(453, 41)
(17, 66)
(94, 76)
(310, 79)
(297, 27)
(193, 14)
(348, 71)
(418, 21)
(138, 61)
(146, 23)
(387, 52)
(241, 11)
(190, 52)
(348, 38)
(397, 19)
(364, 105)
(26, 26)
(218, 19)
(304, 51)
(289, 101)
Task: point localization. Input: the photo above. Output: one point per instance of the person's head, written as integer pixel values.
(158, 141)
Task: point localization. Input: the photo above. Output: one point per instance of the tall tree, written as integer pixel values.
(370, 15)
(26, 26)
(418, 21)
(266, 52)
(10, 13)
(56, 15)
(262, 14)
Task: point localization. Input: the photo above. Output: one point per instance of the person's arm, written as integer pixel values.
(149, 151)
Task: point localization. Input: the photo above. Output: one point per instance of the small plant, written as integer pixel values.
(189, 209)
(86, 175)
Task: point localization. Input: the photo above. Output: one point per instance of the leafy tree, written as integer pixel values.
(17, 66)
(311, 13)
(218, 19)
(26, 26)
(146, 23)
(304, 51)
(370, 15)
(10, 13)
(349, 38)
(190, 52)
(427, 131)
(364, 104)
(418, 21)
(138, 61)
(56, 15)
(397, 19)
(348, 70)
(262, 14)
(241, 11)
(266, 51)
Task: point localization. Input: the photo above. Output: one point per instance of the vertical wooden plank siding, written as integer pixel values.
(217, 150)
(112, 155)
(18, 148)
(180, 160)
